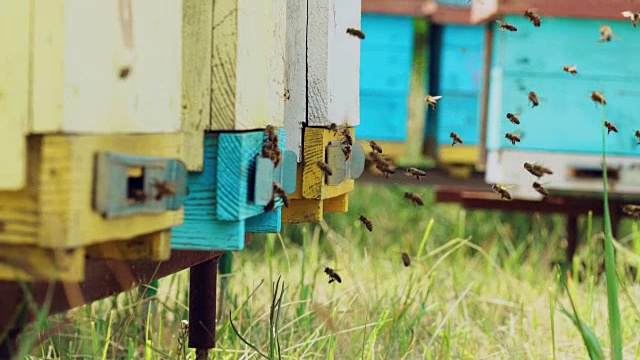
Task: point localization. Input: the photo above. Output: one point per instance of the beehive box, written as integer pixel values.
(565, 131)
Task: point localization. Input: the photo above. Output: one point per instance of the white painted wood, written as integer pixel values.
(295, 108)
(14, 92)
(483, 10)
(333, 62)
(79, 50)
(248, 61)
(507, 167)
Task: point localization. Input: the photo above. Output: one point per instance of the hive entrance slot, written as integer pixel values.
(595, 173)
(135, 185)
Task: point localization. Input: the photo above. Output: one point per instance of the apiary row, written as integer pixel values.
(130, 128)
(483, 72)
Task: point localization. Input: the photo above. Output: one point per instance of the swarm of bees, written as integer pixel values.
(367, 223)
(610, 127)
(455, 138)
(270, 147)
(432, 101)
(356, 32)
(533, 17)
(571, 69)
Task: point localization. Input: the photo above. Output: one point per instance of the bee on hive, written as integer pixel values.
(324, 167)
(356, 32)
(164, 188)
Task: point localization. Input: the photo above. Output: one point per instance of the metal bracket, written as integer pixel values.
(127, 185)
(344, 169)
(284, 174)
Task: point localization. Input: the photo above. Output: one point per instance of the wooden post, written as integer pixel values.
(202, 307)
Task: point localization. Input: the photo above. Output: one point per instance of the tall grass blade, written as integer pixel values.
(425, 237)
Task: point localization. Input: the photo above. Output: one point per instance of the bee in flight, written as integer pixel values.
(571, 69)
(533, 98)
(356, 32)
(539, 188)
(637, 133)
(634, 16)
(512, 137)
(533, 17)
(455, 138)
(633, 210)
(375, 147)
(415, 172)
(324, 167)
(432, 100)
(406, 260)
(537, 169)
(502, 191)
(513, 118)
(333, 276)
(386, 169)
(606, 34)
(506, 26)
(367, 223)
(610, 127)
(414, 198)
(598, 98)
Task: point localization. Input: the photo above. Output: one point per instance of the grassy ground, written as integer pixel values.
(480, 286)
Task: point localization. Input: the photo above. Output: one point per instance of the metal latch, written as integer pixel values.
(343, 168)
(126, 185)
(284, 174)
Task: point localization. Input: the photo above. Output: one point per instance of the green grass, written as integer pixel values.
(479, 286)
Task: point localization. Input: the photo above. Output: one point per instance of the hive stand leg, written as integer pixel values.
(224, 266)
(9, 344)
(202, 307)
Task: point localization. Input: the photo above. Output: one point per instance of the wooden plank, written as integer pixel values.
(395, 7)
(154, 246)
(447, 14)
(387, 32)
(313, 179)
(386, 70)
(248, 94)
(270, 222)
(197, 23)
(459, 154)
(339, 203)
(55, 209)
(295, 107)
(29, 263)
(14, 92)
(487, 10)
(333, 63)
(303, 210)
(79, 53)
(386, 116)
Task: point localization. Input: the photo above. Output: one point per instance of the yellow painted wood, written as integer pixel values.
(78, 52)
(458, 154)
(461, 172)
(339, 203)
(14, 92)
(27, 263)
(154, 246)
(55, 209)
(303, 210)
(313, 179)
(197, 20)
(248, 62)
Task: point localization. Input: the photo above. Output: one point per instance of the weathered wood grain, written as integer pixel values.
(197, 23)
(295, 108)
(270, 222)
(55, 209)
(14, 92)
(78, 53)
(153, 246)
(28, 262)
(333, 63)
(248, 62)
(313, 179)
(303, 210)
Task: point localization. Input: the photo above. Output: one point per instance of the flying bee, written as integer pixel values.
(571, 69)
(610, 127)
(375, 147)
(513, 118)
(277, 189)
(634, 16)
(606, 34)
(539, 188)
(537, 169)
(637, 133)
(533, 98)
(533, 17)
(367, 223)
(324, 167)
(633, 210)
(333, 276)
(415, 172)
(346, 150)
(348, 139)
(356, 32)
(506, 26)
(164, 188)
(432, 101)
(386, 169)
(415, 198)
(502, 190)
(455, 138)
(377, 158)
(598, 98)
(512, 137)
(406, 260)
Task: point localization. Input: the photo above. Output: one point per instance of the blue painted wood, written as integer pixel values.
(383, 117)
(386, 69)
(458, 113)
(566, 41)
(387, 31)
(265, 223)
(461, 58)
